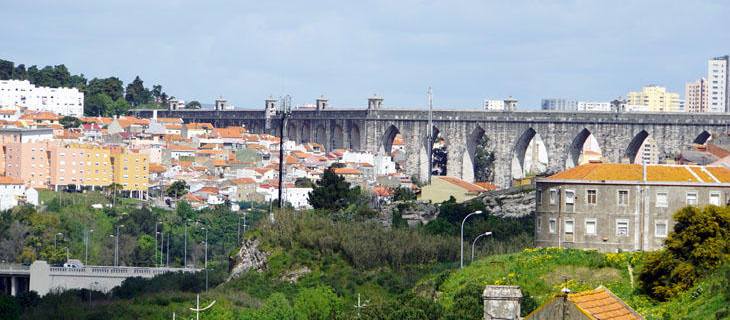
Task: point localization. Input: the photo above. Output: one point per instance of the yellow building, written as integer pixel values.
(131, 172)
(656, 98)
(95, 168)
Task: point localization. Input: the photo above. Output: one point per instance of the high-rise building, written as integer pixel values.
(656, 98)
(695, 94)
(718, 88)
(559, 104)
(21, 93)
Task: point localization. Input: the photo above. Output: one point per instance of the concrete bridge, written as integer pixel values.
(43, 278)
(619, 135)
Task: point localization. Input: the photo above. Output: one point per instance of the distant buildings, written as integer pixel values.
(561, 104)
(718, 88)
(621, 207)
(695, 94)
(508, 104)
(22, 94)
(655, 98)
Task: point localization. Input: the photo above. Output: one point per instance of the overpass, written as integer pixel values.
(43, 278)
(619, 135)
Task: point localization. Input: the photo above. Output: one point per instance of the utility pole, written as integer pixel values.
(167, 254)
(86, 251)
(206, 257)
(429, 134)
(284, 111)
(197, 308)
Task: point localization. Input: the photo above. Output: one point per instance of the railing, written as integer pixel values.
(13, 267)
(122, 271)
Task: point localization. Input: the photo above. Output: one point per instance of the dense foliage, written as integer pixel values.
(699, 244)
(332, 192)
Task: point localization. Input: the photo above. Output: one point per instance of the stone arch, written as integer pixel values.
(576, 148)
(635, 145)
(304, 136)
(386, 144)
(439, 146)
(338, 137)
(529, 140)
(320, 135)
(291, 131)
(354, 137)
(703, 137)
(469, 165)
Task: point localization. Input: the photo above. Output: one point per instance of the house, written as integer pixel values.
(12, 192)
(621, 207)
(444, 187)
(599, 303)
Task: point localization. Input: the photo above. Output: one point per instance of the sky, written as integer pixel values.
(467, 51)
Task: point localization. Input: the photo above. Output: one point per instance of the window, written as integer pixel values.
(661, 199)
(591, 226)
(569, 226)
(551, 225)
(591, 196)
(538, 224)
(660, 228)
(691, 198)
(715, 198)
(569, 197)
(553, 196)
(622, 227)
(538, 194)
(623, 197)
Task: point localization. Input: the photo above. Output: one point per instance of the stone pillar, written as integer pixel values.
(501, 302)
(13, 286)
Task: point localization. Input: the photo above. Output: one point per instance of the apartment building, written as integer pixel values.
(131, 172)
(79, 166)
(621, 207)
(656, 98)
(21, 93)
(695, 94)
(28, 162)
(718, 86)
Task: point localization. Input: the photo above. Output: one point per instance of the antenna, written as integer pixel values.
(359, 306)
(197, 308)
(429, 134)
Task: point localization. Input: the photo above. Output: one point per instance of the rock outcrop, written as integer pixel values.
(249, 257)
(510, 203)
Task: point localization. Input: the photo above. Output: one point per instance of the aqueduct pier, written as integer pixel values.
(619, 135)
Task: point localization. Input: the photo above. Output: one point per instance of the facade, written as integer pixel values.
(593, 106)
(79, 165)
(21, 93)
(626, 207)
(559, 104)
(131, 171)
(21, 135)
(28, 162)
(656, 98)
(695, 94)
(494, 105)
(12, 192)
(718, 88)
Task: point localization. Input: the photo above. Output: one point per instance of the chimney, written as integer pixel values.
(322, 103)
(502, 302)
(375, 102)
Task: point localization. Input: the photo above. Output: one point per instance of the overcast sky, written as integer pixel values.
(349, 50)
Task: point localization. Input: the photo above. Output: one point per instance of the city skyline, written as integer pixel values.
(246, 52)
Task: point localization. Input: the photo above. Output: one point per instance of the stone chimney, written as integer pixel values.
(501, 302)
(375, 102)
(322, 103)
(269, 111)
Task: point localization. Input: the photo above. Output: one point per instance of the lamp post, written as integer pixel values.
(488, 233)
(86, 250)
(206, 257)
(154, 251)
(116, 246)
(55, 239)
(185, 245)
(461, 265)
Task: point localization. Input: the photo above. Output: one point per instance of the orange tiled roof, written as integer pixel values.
(230, 132)
(486, 185)
(469, 187)
(213, 190)
(602, 304)
(199, 125)
(243, 181)
(179, 147)
(219, 163)
(170, 120)
(346, 171)
(43, 115)
(157, 168)
(634, 172)
(8, 111)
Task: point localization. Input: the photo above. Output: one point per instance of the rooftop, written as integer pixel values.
(654, 173)
(602, 304)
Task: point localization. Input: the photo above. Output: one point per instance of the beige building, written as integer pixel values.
(621, 207)
(444, 187)
(656, 98)
(695, 94)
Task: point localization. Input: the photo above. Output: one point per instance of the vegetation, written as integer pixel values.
(177, 189)
(332, 192)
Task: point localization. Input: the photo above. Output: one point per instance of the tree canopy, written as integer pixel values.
(331, 192)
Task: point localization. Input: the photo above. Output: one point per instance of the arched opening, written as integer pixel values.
(642, 149)
(305, 133)
(392, 152)
(291, 131)
(584, 149)
(389, 140)
(530, 157)
(478, 162)
(354, 138)
(321, 135)
(337, 137)
(703, 137)
(439, 154)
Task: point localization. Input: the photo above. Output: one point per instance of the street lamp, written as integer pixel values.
(488, 233)
(55, 239)
(185, 246)
(86, 250)
(461, 265)
(154, 252)
(116, 246)
(206, 257)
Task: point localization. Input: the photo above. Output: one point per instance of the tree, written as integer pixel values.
(484, 160)
(304, 182)
(177, 189)
(403, 194)
(332, 192)
(111, 86)
(6, 69)
(193, 105)
(97, 105)
(699, 243)
(136, 93)
(70, 122)
(320, 303)
(119, 107)
(276, 307)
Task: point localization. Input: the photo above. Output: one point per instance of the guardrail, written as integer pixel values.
(13, 267)
(123, 271)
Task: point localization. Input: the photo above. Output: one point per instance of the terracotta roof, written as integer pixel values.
(486, 185)
(347, 171)
(212, 190)
(179, 147)
(219, 163)
(469, 187)
(602, 304)
(157, 168)
(43, 115)
(97, 120)
(170, 120)
(634, 172)
(173, 126)
(10, 180)
(230, 132)
(199, 125)
(243, 181)
(8, 111)
(192, 198)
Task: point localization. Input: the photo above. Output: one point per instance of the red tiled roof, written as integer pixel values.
(602, 304)
(469, 187)
(634, 172)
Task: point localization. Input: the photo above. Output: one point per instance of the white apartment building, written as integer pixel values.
(559, 104)
(718, 88)
(21, 93)
(494, 105)
(591, 106)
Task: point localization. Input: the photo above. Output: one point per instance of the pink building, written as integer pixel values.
(28, 162)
